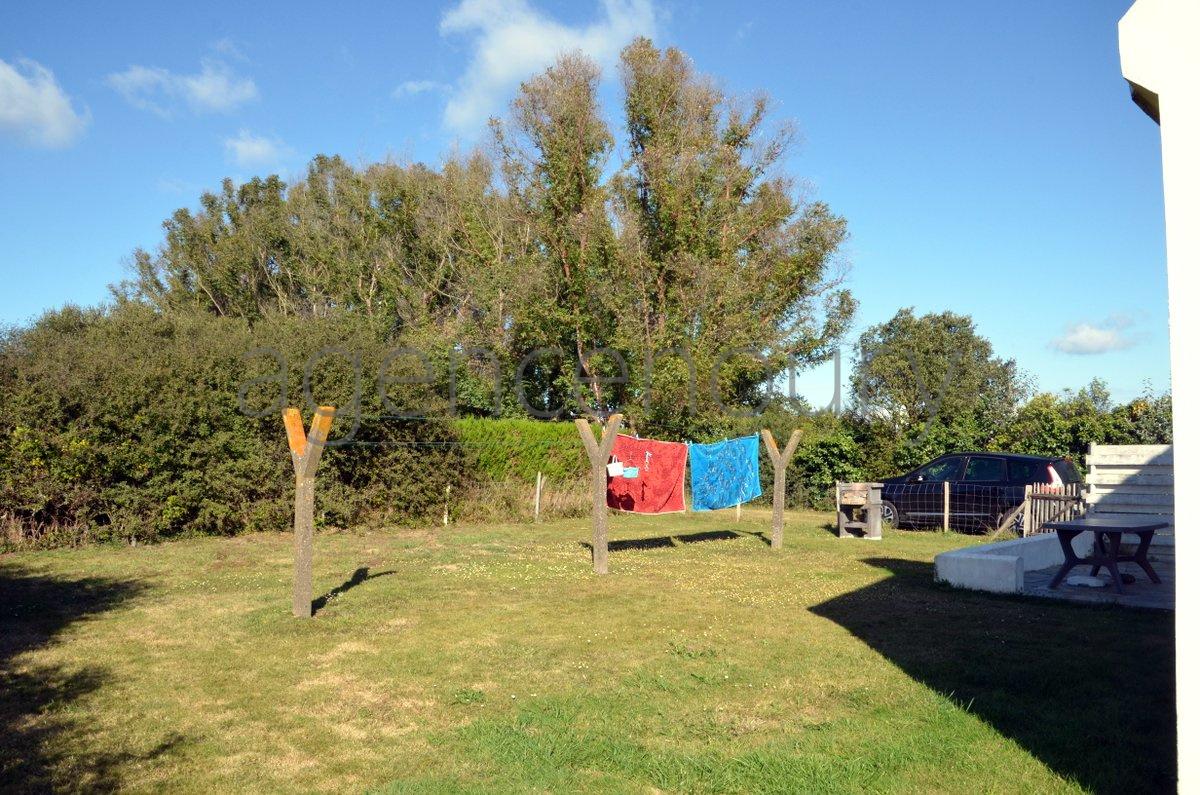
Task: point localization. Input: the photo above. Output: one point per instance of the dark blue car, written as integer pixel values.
(985, 488)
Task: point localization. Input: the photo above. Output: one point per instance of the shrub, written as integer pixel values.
(124, 423)
(520, 448)
(819, 464)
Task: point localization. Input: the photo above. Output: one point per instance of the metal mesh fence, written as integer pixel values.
(965, 507)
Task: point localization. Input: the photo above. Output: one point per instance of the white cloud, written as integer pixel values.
(215, 88)
(511, 41)
(35, 108)
(248, 150)
(228, 47)
(1089, 339)
(411, 88)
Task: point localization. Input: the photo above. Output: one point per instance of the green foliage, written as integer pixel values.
(928, 385)
(819, 464)
(1148, 419)
(694, 260)
(717, 255)
(124, 424)
(520, 448)
(697, 243)
(935, 374)
(1041, 427)
(552, 153)
(903, 418)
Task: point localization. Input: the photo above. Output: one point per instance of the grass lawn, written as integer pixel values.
(491, 659)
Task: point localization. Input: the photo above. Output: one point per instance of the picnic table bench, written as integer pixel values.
(859, 508)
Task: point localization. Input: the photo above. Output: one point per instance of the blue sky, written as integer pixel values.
(986, 155)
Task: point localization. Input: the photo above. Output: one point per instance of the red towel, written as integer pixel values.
(658, 487)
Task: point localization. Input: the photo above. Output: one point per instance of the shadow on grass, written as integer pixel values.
(658, 542)
(759, 534)
(39, 747)
(359, 576)
(1089, 691)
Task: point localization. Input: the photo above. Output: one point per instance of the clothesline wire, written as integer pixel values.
(512, 441)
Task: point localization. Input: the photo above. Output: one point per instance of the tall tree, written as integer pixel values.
(718, 252)
(552, 152)
(696, 245)
(934, 381)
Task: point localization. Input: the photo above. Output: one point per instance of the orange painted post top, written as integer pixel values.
(298, 441)
(295, 431)
(322, 422)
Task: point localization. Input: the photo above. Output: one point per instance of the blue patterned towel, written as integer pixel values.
(724, 473)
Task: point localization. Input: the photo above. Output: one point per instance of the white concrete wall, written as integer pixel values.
(1159, 52)
(1001, 567)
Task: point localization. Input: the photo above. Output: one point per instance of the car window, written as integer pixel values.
(979, 469)
(1067, 471)
(942, 469)
(1026, 471)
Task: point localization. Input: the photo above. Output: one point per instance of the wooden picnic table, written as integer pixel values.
(1107, 553)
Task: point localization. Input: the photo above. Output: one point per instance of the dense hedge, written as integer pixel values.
(124, 424)
(514, 448)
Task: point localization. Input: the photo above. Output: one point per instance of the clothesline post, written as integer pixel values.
(598, 454)
(306, 454)
(780, 462)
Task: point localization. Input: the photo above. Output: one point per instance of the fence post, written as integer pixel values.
(598, 456)
(306, 454)
(945, 506)
(1025, 510)
(537, 499)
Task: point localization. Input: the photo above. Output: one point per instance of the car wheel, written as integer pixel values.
(888, 514)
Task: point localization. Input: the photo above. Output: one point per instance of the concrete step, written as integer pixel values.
(1162, 551)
